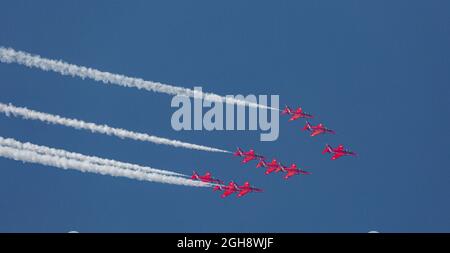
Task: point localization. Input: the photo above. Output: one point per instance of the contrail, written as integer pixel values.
(9, 55)
(64, 163)
(8, 142)
(25, 113)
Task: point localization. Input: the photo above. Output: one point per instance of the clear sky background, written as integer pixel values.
(375, 71)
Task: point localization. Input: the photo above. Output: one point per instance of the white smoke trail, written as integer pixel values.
(8, 142)
(64, 163)
(23, 112)
(9, 55)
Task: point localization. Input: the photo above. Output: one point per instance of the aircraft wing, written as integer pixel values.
(296, 116)
(316, 132)
(270, 170)
(336, 156)
(248, 159)
(243, 192)
(289, 174)
(227, 193)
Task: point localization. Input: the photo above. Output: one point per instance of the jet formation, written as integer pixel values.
(317, 130)
(274, 166)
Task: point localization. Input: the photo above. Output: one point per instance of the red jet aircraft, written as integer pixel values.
(316, 130)
(232, 187)
(293, 170)
(273, 166)
(337, 152)
(227, 189)
(248, 156)
(296, 114)
(207, 178)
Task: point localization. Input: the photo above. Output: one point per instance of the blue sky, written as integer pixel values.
(375, 71)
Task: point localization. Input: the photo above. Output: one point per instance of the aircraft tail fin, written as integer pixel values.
(261, 163)
(194, 175)
(238, 152)
(327, 149)
(286, 110)
(307, 126)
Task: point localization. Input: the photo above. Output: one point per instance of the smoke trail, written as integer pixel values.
(64, 163)
(104, 129)
(8, 142)
(9, 55)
